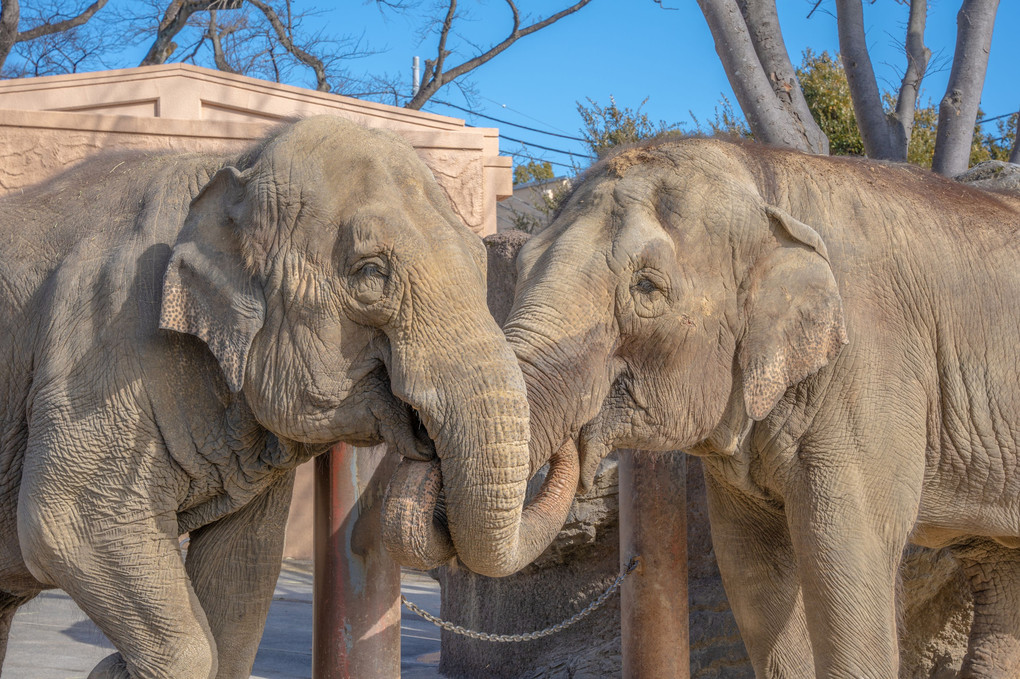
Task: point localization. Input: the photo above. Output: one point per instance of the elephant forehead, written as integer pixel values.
(640, 233)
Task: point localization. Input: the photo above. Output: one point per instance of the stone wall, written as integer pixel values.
(35, 145)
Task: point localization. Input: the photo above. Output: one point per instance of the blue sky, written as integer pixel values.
(632, 49)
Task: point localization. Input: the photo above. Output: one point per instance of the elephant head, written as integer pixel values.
(668, 306)
(342, 297)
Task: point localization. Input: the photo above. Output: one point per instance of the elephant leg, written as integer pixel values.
(993, 651)
(9, 604)
(848, 537)
(752, 547)
(233, 564)
(123, 567)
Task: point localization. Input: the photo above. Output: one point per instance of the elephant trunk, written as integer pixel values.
(567, 373)
(475, 409)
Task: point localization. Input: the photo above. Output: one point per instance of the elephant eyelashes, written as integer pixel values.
(370, 270)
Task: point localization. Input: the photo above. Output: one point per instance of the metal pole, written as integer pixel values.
(415, 77)
(653, 525)
(356, 609)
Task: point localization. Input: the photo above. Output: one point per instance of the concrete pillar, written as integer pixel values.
(356, 628)
(653, 526)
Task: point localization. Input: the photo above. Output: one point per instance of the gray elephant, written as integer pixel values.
(836, 339)
(181, 331)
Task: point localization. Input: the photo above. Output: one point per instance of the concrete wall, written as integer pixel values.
(49, 124)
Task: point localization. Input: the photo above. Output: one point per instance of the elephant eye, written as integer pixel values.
(368, 280)
(649, 281)
(649, 291)
(369, 268)
(646, 286)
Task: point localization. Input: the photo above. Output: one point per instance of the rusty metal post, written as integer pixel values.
(356, 609)
(653, 525)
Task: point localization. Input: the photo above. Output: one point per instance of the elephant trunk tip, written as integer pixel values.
(416, 534)
(415, 530)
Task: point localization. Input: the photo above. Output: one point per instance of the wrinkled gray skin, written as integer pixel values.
(836, 338)
(181, 331)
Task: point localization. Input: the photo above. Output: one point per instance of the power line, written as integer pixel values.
(988, 120)
(547, 148)
(541, 160)
(521, 113)
(507, 122)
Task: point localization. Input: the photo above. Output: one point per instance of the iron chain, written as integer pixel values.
(527, 636)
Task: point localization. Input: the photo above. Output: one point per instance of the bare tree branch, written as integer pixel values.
(174, 21)
(56, 24)
(918, 56)
(860, 75)
(215, 37)
(769, 121)
(885, 136)
(959, 107)
(767, 37)
(286, 40)
(433, 66)
(61, 26)
(435, 77)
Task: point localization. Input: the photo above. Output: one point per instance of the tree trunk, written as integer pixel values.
(767, 37)
(959, 107)
(885, 137)
(902, 120)
(768, 119)
(10, 16)
(860, 76)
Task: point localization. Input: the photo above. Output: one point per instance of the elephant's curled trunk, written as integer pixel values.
(416, 534)
(478, 416)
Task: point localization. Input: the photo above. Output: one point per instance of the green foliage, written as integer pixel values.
(525, 222)
(999, 143)
(921, 148)
(532, 171)
(546, 200)
(827, 93)
(828, 96)
(609, 126)
(725, 123)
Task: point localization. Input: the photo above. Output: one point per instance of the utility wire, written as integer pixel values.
(524, 127)
(548, 148)
(988, 120)
(522, 113)
(507, 122)
(541, 160)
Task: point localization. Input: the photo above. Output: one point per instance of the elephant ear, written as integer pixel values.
(207, 291)
(795, 317)
(502, 249)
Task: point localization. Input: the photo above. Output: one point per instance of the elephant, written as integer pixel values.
(182, 330)
(835, 339)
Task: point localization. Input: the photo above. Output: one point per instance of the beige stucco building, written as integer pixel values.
(48, 124)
